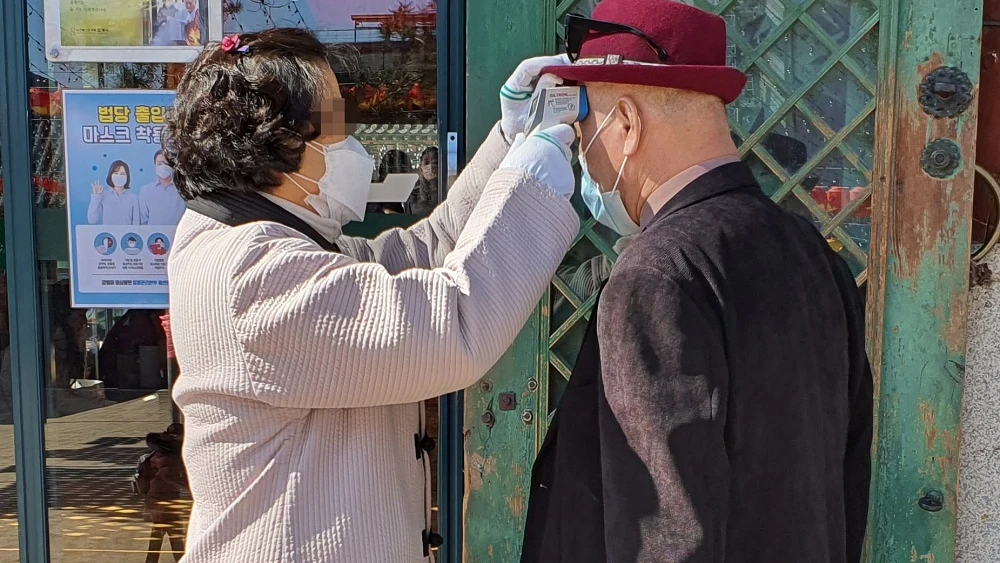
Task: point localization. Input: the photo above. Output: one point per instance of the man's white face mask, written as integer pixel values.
(344, 187)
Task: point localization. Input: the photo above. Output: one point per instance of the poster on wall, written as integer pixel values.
(130, 31)
(122, 203)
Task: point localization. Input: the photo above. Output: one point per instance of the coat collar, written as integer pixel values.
(235, 209)
(725, 178)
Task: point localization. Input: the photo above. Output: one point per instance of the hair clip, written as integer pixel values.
(232, 45)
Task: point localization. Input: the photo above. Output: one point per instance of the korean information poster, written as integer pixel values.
(123, 205)
(162, 31)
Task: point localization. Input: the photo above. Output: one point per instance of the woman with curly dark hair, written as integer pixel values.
(306, 354)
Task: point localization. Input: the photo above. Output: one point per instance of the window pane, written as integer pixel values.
(106, 370)
(8, 488)
(816, 108)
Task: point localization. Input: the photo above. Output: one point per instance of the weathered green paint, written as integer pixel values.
(498, 458)
(500, 36)
(926, 234)
(917, 273)
(499, 449)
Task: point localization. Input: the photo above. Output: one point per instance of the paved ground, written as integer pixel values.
(93, 515)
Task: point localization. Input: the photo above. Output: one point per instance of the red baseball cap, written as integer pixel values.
(671, 45)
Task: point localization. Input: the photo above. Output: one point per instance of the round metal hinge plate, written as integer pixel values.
(946, 92)
(941, 158)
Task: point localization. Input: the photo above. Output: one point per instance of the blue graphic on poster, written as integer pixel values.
(123, 205)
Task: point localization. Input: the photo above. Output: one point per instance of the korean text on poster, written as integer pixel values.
(123, 205)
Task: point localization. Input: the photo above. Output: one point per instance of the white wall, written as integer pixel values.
(979, 477)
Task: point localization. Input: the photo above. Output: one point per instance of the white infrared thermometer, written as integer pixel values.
(552, 105)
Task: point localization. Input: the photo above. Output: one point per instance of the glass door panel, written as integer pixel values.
(106, 370)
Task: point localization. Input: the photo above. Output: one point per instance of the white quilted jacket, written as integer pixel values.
(302, 371)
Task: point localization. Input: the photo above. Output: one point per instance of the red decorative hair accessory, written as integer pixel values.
(232, 45)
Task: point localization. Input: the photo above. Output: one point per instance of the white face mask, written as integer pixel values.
(163, 171)
(119, 180)
(344, 187)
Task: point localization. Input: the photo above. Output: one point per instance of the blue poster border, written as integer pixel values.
(88, 300)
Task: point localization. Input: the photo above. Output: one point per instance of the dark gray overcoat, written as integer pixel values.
(721, 407)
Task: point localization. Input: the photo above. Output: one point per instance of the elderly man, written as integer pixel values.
(721, 406)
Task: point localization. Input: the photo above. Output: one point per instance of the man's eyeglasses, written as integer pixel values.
(580, 29)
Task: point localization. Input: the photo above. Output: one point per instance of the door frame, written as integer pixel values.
(917, 277)
(922, 228)
(451, 121)
(23, 299)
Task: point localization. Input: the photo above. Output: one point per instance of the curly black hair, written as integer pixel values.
(240, 119)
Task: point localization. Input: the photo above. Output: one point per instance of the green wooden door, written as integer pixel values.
(831, 125)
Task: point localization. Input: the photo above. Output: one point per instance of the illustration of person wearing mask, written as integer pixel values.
(131, 246)
(117, 206)
(159, 202)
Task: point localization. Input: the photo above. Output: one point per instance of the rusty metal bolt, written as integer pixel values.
(527, 417)
(932, 501)
(508, 401)
(532, 384)
(487, 418)
(486, 386)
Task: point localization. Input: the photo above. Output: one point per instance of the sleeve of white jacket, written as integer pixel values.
(426, 243)
(321, 330)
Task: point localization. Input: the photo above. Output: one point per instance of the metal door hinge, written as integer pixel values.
(946, 92)
(452, 153)
(941, 158)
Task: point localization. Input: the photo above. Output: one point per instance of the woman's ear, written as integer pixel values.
(631, 123)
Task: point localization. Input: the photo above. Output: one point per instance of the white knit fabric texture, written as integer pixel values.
(302, 371)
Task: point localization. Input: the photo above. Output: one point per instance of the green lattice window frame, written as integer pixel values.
(830, 41)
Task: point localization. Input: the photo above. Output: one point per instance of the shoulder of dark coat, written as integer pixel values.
(675, 243)
(744, 218)
(722, 239)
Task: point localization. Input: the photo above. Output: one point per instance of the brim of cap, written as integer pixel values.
(721, 81)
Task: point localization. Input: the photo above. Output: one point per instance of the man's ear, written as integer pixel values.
(630, 120)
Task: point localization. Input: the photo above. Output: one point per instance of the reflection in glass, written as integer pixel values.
(817, 155)
(116, 484)
(840, 19)
(796, 57)
(8, 487)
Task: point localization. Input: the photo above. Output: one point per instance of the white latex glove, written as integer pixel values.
(515, 94)
(545, 155)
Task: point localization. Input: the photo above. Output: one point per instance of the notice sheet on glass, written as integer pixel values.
(130, 31)
(123, 205)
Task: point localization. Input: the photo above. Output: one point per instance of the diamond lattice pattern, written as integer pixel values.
(805, 125)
